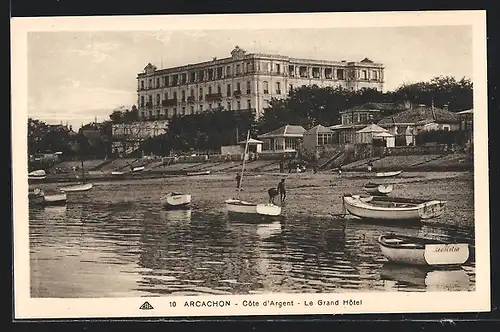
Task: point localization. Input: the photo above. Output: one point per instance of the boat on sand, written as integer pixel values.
(77, 187)
(39, 197)
(422, 251)
(378, 188)
(388, 174)
(37, 175)
(392, 208)
(198, 173)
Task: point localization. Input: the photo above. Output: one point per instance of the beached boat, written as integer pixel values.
(388, 174)
(392, 208)
(198, 173)
(117, 173)
(39, 197)
(37, 175)
(176, 200)
(422, 251)
(77, 187)
(236, 206)
(378, 188)
(138, 169)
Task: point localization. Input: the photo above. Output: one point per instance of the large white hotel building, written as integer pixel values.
(243, 81)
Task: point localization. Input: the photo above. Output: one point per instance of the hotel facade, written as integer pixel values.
(243, 81)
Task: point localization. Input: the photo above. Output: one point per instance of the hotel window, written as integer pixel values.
(150, 86)
(209, 106)
(157, 99)
(238, 86)
(175, 95)
(175, 80)
(363, 117)
(219, 91)
(249, 103)
(228, 71)
(229, 90)
(364, 74)
(201, 75)
(142, 85)
(266, 87)
(291, 144)
(209, 90)
(266, 146)
(328, 73)
(238, 69)
(228, 105)
(192, 110)
(192, 77)
(316, 72)
(150, 99)
(201, 108)
(278, 88)
(375, 75)
(219, 72)
(183, 111)
(158, 82)
(291, 71)
(303, 71)
(142, 101)
(340, 74)
(249, 90)
(183, 94)
(167, 80)
(192, 93)
(201, 93)
(238, 105)
(210, 74)
(249, 67)
(175, 111)
(278, 68)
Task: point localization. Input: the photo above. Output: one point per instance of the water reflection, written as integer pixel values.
(424, 278)
(118, 244)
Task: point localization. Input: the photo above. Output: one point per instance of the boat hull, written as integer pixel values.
(198, 173)
(77, 188)
(48, 199)
(117, 173)
(363, 209)
(239, 207)
(173, 202)
(387, 174)
(405, 250)
(381, 189)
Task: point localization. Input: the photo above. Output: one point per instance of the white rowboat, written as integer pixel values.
(117, 173)
(198, 173)
(138, 169)
(387, 174)
(378, 189)
(392, 208)
(77, 187)
(39, 197)
(421, 251)
(237, 206)
(176, 200)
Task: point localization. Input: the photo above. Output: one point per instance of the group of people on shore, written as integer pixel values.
(272, 192)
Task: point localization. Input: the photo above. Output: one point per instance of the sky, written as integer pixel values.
(75, 77)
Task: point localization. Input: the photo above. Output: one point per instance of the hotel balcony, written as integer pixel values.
(149, 105)
(169, 102)
(237, 93)
(213, 97)
(191, 99)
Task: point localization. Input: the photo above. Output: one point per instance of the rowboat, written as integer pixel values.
(117, 173)
(237, 206)
(198, 173)
(137, 169)
(392, 208)
(77, 187)
(176, 200)
(39, 197)
(387, 174)
(422, 251)
(377, 189)
(37, 175)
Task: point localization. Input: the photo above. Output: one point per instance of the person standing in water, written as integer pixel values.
(282, 190)
(238, 181)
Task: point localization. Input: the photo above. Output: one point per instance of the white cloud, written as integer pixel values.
(98, 51)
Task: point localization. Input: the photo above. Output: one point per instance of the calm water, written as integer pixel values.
(116, 240)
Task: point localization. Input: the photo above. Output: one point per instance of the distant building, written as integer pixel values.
(244, 81)
(139, 130)
(317, 137)
(285, 139)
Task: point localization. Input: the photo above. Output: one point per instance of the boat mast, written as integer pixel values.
(244, 158)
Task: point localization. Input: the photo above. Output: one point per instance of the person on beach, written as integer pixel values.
(238, 181)
(315, 168)
(339, 169)
(370, 165)
(272, 192)
(289, 167)
(282, 167)
(282, 190)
